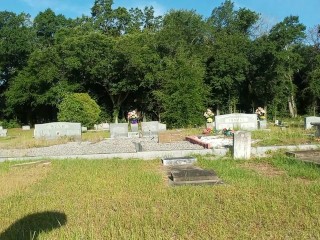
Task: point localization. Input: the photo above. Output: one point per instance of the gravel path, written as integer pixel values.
(102, 147)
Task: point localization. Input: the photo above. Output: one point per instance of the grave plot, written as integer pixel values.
(181, 171)
(312, 156)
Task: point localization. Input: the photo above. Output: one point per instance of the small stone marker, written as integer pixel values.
(162, 127)
(181, 171)
(317, 125)
(118, 130)
(241, 145)
(3, 132)
(178, 161)
(262, 124)
(26, 128)
(133, 134)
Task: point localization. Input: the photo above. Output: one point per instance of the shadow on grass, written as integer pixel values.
(30, 226)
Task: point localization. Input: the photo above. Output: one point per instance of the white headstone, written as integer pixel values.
(308, 120)
(26, 128)
(56, 130)
(102, 126)
(162, 127)
(240, 121)
(3, 132)
(1, 128)
(118, 130)
(241, 145)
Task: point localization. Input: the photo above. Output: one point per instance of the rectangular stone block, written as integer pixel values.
(3, 132)
(133, 134)
(240, 121)
(56, 130)
(262, 124)
(162, 127)
(309, 120)
(241, 145)
(178, 161)
(150, 129)
(118, 130)
(167, 137)
(26, 128)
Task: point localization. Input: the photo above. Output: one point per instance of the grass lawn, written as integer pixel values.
(274, 198)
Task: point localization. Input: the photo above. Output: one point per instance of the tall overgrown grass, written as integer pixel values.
(118, 199)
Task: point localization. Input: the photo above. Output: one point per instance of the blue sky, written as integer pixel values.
(272, 11)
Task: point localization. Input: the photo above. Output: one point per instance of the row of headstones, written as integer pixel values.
(148, 129)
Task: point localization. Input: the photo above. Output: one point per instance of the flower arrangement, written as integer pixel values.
(209, 115)
(227, 132)
(261, 113)
(133, 116)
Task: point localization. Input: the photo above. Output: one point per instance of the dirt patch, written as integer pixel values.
(264, 169)
(19, 178)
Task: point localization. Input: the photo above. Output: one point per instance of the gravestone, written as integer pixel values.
(133, 135)
(118, 130)
(178, 161)
(162, 127)
(134, 127)
(241, 145)
(150, 129)
(3, 132)
(102, 127)
(26, 128)
(84, 129)
(55, 130)
(309, 120)
(240, 121)
(262, 124)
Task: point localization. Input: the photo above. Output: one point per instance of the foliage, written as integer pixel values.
(79, 107)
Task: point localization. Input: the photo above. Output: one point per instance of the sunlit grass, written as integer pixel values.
(118, 199)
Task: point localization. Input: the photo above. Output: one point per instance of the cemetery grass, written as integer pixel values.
(118, 199)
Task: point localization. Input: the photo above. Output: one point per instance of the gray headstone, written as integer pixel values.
(308, 120)
(102, 127)
(241, 145)
(3, 132)
(26, 128)
(150, 129)
(134, 127)
(262, 124)
(162, 127)
(240, 121)
(118, 130)
(56, 130)
(84, 129)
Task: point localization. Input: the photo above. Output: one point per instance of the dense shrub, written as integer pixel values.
(79, 107)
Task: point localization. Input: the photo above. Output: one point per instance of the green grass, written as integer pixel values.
(118, 199)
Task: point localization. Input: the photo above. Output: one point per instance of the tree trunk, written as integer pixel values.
(115, 114)
(292, 106)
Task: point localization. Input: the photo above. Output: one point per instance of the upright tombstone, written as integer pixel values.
(162, 127)
(262, 124)
(3, 132)
(309, 120)
(150, 129)
(26, 128)
(118, 130)
(55, 130)
(239, 121)
(241, 145)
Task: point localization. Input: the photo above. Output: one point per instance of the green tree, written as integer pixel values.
(79, 107)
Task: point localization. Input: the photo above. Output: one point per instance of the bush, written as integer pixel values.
(79, 107)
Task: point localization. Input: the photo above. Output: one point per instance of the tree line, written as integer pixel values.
(171, 68)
